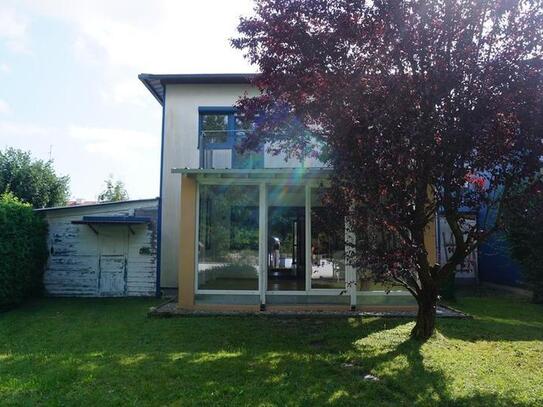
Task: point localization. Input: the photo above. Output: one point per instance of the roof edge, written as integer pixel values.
(246, 77)
(155, 82)
(276, 173)
(57, 208)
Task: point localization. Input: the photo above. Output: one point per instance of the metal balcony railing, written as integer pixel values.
(218, 149)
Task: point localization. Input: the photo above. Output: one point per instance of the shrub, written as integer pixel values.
(23, 250)
(524, 227)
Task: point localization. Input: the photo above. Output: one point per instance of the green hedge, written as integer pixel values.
(524, 226)
(23, 250)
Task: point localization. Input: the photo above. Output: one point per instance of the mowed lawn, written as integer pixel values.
(108, 352)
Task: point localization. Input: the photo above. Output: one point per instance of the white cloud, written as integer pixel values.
(18, 130)
(126, 91)
(111, 142)
(112, 42)
(121, 144)
(87, 52)
(89, 154)
(13, 30)
(127, 37)
(4, 107)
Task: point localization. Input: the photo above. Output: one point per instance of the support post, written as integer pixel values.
(308, 258)
(263, 244)
(187, 243)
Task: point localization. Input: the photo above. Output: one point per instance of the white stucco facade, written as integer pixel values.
(181, 151)
(181, 102)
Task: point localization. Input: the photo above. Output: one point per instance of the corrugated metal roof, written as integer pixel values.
(155, 83)
(55, 208)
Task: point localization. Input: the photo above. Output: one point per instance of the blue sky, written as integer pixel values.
(68, 80)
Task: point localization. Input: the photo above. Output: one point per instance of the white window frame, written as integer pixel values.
(197, 290)
(263, 291)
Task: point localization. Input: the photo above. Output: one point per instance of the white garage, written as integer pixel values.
(102, 250)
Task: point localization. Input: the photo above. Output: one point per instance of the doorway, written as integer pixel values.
(286, 258)
(113, 243)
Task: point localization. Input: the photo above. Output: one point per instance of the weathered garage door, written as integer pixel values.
(112, 275)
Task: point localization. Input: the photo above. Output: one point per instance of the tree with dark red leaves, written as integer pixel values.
(419, 107)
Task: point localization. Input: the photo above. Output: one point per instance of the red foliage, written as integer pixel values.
(408, 101)
(475, 180)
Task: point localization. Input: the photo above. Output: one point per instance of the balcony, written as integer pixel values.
(219, 150)
(221, 131)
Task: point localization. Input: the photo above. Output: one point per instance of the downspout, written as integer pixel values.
(159, 223)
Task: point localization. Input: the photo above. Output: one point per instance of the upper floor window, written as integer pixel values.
(215, 128)
(221, 131)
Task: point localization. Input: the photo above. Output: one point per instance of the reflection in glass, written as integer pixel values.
(327, 245)
(247, 159)
(286, 238)
(366, 277)
(215, 128)
(228, 237)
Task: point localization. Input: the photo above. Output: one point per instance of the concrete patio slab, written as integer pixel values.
(170, 309)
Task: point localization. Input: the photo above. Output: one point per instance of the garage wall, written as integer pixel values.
(73, 267)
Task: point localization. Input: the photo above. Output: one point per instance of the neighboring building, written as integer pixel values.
(246, 230)
(102, 250)
(467, 273)
(496, 265)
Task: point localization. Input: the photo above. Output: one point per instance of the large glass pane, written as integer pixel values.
(327, 245)
(215, 128)
(286, 238)
(247, 159)
(365, 278)
(365, 282)
(228, 237)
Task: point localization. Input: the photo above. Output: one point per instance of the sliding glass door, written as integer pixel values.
(286, 242)
(228, 238)
(327, 245)
(265, 238)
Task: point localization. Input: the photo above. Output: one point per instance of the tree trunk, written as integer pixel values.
(426, 315)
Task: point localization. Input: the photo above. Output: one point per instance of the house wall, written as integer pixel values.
(366, 298)
(73, 267)
(181, 151)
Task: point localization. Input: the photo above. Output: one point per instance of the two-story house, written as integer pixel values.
(246, 231)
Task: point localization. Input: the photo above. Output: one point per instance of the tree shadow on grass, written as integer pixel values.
(496, 318)
(405, 372)
(99, 354)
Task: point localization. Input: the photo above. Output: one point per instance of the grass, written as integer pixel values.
(107, 352)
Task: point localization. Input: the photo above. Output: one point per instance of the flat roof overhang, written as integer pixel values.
(286, 174)
(156, 83)
(129, 221)
(99, 204)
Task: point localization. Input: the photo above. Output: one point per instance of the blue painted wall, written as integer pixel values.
(496, 265)
(495, 262)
